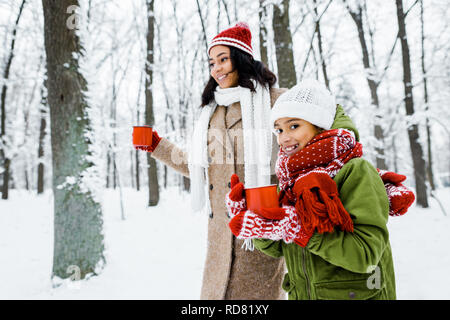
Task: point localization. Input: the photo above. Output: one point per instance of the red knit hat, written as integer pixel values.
(238, 36)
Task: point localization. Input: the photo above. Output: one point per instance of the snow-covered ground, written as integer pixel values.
(158, 253)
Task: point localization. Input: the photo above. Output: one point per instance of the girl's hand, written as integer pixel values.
(272, 213)
(237, 188)
(250, 225)
(235, 199)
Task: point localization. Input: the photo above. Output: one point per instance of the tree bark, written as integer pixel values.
(78, 239)
(6, 173)
(413, 130)
(108, 169)
(283, 45)
(153, 185)
(43, 126)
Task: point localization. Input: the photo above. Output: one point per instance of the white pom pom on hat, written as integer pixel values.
(309, 100)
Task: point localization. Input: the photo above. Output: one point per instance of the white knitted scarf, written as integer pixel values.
(255, 109)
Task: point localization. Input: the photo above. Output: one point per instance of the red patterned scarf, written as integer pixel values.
(306, 180)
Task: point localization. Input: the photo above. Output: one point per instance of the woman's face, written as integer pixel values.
(221, 67)
(293, 134)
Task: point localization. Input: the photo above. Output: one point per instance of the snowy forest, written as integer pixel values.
(77, 75)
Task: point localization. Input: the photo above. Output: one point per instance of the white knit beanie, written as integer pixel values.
(309, 100)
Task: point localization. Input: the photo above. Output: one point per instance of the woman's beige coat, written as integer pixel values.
(230, 271)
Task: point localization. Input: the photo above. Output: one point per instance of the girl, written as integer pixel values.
(237, 99)
(334, 247)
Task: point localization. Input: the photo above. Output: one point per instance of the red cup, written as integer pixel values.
(142, 136)
(262, 197)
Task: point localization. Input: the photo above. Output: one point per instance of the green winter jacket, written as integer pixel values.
(344, 265)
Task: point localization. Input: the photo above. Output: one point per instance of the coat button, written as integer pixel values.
(229, 185)
(351, 295)
(210, 187)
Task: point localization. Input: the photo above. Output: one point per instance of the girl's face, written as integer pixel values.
(221, 67)
(293, 134)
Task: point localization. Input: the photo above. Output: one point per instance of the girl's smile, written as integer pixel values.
(293, 134)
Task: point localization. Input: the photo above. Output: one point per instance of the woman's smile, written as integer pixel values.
(221, 67)
(221, 77)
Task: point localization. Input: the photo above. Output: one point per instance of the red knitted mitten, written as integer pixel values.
(235, 199)
(155, 141)
(249, 225)
(400, 197)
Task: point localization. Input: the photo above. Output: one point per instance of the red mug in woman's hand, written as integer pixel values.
(142, 137)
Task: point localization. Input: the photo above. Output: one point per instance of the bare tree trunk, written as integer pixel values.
(3, 158)
(43, 126)
(373, 85)
(183, 101)
(263, 32)
(413, 130)
(136, 152)
(319, 42)
(27, 180)
(132, 172)
(203, 26)
(425, 94)
(226, 11)
(138, 182)
(6, 174)
(114, 126)
(165, 177)
(78, 222)
(153, 184)
(283, 45)
(108, 168)
(395, 157)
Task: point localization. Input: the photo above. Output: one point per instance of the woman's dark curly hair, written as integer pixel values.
(248, 69)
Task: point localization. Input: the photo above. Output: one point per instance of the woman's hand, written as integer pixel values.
(155, 141)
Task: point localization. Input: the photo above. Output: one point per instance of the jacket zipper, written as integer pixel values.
(308, 289)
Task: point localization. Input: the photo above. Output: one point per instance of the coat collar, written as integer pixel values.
(233, 115)
(218, 118)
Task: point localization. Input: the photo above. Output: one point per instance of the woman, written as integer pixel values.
(232, 135)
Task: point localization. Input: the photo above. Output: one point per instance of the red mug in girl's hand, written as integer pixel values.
(142, 136)
(262, 198)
